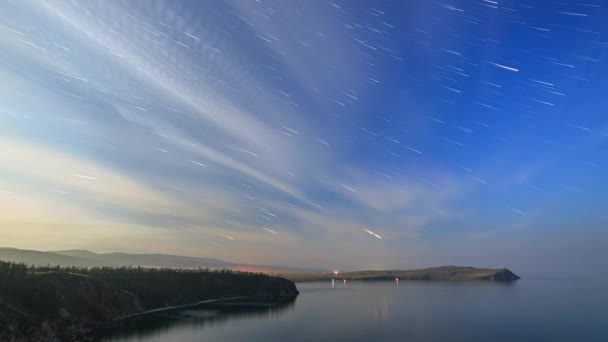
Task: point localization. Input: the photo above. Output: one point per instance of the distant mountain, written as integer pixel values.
(45, 258)
(84, 258)
(156, 260)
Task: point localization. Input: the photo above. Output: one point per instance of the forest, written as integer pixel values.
(54, 299)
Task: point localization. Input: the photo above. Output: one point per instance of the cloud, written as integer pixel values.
(291, 130)
(36, 168)
(119, 119)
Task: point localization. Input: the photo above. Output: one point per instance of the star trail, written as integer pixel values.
(414, 132)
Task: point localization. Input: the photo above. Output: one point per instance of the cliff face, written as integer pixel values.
(281, 291)
(14, 324)
(55, 304)
(501, 275)
(40, 306)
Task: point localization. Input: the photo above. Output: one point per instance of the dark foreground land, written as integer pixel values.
(443, 273)
(64, 304)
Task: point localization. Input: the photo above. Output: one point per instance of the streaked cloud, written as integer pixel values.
(252, 130)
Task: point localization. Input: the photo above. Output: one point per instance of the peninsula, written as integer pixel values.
(442, 273)
(62, 303)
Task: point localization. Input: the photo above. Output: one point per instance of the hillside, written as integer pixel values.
(54, 303)
(44, 258)
(84, 258)
(443, 273)
(39, 303)
(156, 260)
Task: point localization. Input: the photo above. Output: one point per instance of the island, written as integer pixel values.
(65, 303)
(442, 273)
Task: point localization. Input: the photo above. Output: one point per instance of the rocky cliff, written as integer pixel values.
(44, 305)
(59, 304)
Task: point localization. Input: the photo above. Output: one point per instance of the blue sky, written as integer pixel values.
(342, 134)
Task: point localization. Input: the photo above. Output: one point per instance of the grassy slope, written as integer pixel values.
(444, 273)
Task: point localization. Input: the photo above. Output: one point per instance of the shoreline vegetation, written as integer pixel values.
(65, 303)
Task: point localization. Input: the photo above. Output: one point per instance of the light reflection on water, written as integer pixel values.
(159, 326)
(529, 309)
(380, 311)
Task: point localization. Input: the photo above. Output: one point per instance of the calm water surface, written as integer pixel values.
(527, 310)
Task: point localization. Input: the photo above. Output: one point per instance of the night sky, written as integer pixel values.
(329, 134)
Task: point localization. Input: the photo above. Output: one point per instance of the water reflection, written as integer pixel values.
(539, 310)
(380, 310)
(143, 327)
(338, 284)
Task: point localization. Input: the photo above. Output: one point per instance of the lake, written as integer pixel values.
(567, 309)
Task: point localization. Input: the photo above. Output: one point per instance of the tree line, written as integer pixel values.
(155, 287)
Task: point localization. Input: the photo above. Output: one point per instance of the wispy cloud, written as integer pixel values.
(247, 130)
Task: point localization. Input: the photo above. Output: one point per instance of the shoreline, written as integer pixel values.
(178, 307)
(261, 299)
(102, 329)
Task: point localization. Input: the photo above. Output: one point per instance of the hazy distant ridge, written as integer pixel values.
(84, 258)
(158, 260)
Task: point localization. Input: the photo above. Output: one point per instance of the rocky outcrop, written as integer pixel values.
(14, 324)
(61, 305)
(501, 275)
(284, 291)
